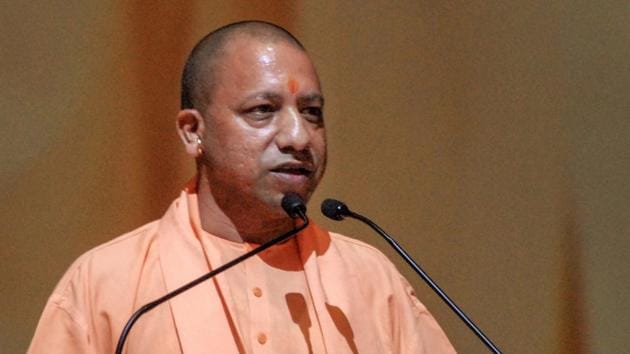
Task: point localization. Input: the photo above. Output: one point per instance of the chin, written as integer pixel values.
(274, 200)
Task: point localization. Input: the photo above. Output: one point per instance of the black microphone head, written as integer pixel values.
(293, 205)
(334, 209)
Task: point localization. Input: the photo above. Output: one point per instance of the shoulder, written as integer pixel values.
(363, 259)
(129, 241)
(122, 249)
(96, 285)
(376, 272)
(362, 251)
(113, 261)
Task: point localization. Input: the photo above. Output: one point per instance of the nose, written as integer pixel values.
(293, 133)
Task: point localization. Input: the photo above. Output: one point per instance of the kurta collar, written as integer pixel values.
(200, 313)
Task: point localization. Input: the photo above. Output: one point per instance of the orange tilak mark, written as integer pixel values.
(293, 86)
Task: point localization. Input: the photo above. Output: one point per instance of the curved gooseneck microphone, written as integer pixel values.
(292, 205)
(337, 210)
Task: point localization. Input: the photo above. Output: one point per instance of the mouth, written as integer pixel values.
(294, 169)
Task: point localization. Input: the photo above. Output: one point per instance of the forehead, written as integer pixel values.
(242, 44)
(248, 58)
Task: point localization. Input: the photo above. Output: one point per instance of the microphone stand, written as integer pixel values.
(148, 307)
(336, 210)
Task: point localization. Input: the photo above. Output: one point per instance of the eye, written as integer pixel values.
(313, 114)
(261, 111)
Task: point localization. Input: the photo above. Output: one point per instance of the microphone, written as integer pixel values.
(337, 210)
(292, 204)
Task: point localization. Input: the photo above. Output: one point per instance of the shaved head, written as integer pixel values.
(199, 77)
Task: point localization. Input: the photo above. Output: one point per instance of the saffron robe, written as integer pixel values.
(319, 293)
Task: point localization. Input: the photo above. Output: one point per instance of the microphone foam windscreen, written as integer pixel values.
(333, 209)
(293, 205)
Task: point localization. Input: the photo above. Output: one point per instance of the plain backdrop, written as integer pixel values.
(491, 138)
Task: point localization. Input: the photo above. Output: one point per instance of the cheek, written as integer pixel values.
(319, 144)
(244, 155)
(244, 164)
(235, 139)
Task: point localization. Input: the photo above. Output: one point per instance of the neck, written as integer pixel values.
(237, 220)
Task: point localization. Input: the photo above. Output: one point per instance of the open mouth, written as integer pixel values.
(298, 171)
(295, 169)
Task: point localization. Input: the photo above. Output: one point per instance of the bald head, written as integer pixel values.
(199, 77)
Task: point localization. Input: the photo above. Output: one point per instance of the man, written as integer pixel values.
(252, 118)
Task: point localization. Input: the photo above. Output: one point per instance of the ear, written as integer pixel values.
(190, 127)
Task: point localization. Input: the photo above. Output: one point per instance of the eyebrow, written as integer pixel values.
(268, 95)
(310, 98)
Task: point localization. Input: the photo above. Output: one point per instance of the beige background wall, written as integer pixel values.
(493, 140)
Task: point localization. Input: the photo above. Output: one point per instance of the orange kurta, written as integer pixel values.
(319, 293)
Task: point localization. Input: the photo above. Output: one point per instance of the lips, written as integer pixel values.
(294, 168)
